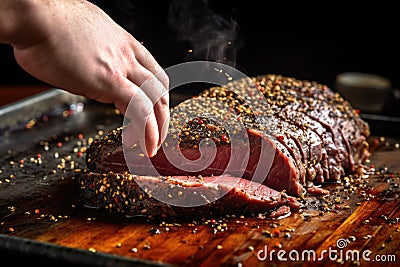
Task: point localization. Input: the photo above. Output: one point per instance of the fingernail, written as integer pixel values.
(152, 152)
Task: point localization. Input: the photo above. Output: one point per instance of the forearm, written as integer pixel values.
(15, 16)
(26, 22)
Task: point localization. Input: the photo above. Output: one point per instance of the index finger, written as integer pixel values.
(146, 59)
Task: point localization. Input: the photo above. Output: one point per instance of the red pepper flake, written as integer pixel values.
(80, 136)
(45, 118)
(391, 175)
(92, 186)
(116, 200)
(224, 138)
(37, 211)
(79, 154)
(280, 138)
(39, 155)
(372, 166)
(276, 232)
(337, 207)
(357, 111)
(59, 144)
(199, 121)
(213, 221)
(21, 161)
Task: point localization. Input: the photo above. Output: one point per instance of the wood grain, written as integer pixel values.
(195, 244)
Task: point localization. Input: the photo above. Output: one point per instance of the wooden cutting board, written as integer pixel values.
(40, 215)
(364, 221)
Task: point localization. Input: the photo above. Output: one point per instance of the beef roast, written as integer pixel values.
(284, 133)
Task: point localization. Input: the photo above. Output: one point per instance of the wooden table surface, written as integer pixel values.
(361, 218)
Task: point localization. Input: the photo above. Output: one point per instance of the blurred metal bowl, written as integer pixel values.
(367, 92)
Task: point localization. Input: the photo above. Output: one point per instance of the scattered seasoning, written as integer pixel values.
(287, 235)
(267, 233)
(351, 238)
(155, 231)
(276, 232)
(367, 236)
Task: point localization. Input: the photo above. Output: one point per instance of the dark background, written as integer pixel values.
(312, 40)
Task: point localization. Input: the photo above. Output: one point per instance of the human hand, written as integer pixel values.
(77, 47)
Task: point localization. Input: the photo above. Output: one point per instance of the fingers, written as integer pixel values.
(143, 127)
(148, 106)
(146, 59)
(158, 95)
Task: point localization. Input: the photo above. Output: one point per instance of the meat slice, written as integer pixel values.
(133, 195)
(274, 167)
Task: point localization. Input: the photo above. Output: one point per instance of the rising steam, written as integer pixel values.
(211, 36)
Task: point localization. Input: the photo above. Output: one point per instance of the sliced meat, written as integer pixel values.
(276, 168)
(133, 195)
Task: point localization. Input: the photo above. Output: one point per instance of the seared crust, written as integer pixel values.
(316, 134)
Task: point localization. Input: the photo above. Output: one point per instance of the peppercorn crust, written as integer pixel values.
(316, 134)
